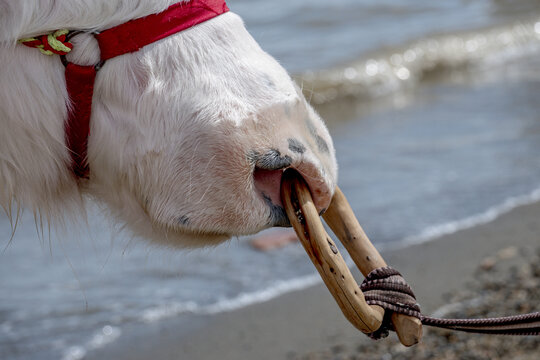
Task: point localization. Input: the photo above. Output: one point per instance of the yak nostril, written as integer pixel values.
(268, 171)
(268, 183)
(267, 174)
(272, 160)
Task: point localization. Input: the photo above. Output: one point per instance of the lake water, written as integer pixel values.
(434, 110)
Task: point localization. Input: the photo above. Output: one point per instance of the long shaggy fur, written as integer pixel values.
(177, 130)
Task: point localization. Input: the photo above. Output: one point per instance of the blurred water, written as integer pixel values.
(319, 34)
(433, 107)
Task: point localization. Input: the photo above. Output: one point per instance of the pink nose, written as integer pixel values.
(269, 170)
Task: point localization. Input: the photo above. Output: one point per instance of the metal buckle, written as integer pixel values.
(71, 34)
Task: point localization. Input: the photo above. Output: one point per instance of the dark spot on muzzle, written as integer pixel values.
(310, 126)
(296, 146)
(271, 160)
(183, 220)
(321, 143)
(278, 216)
(252, 157)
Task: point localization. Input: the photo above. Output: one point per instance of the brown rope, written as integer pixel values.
(386, 287)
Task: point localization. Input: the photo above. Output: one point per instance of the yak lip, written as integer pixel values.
(268, 168)
(268, 184)
(278, 215)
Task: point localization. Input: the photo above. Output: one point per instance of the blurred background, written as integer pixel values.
(434, 111)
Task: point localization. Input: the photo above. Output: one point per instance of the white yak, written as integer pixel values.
(189, 136)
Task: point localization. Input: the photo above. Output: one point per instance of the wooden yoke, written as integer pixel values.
(324, 254)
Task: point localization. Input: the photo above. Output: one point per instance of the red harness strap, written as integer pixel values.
(128, 37)
(122, 39)
(80, 87)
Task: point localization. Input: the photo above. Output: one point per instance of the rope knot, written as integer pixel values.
(387, 288)
(50, 44)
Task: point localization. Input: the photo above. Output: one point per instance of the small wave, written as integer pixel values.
(487, 216)
(169, 310)
(229, 304)
(106, 335)
(279, 288)
(398, 69)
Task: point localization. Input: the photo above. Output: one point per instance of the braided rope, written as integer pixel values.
(50, 44)
(386, 287)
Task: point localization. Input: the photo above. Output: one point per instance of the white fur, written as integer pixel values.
(172, 125)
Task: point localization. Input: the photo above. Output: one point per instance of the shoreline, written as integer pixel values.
(308, 320)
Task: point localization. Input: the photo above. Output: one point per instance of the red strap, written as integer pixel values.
(80, 87)
(135, 34)
(119, 40)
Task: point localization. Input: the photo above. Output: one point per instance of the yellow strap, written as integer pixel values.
(53, 41)
(57, 44)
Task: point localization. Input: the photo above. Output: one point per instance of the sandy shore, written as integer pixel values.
(309, 322)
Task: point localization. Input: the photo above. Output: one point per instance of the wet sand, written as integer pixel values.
(309, 325)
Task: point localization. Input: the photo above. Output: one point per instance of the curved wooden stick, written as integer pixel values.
(344, 224)
(325, 256)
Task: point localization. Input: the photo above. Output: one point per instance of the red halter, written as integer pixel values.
(122, 39)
